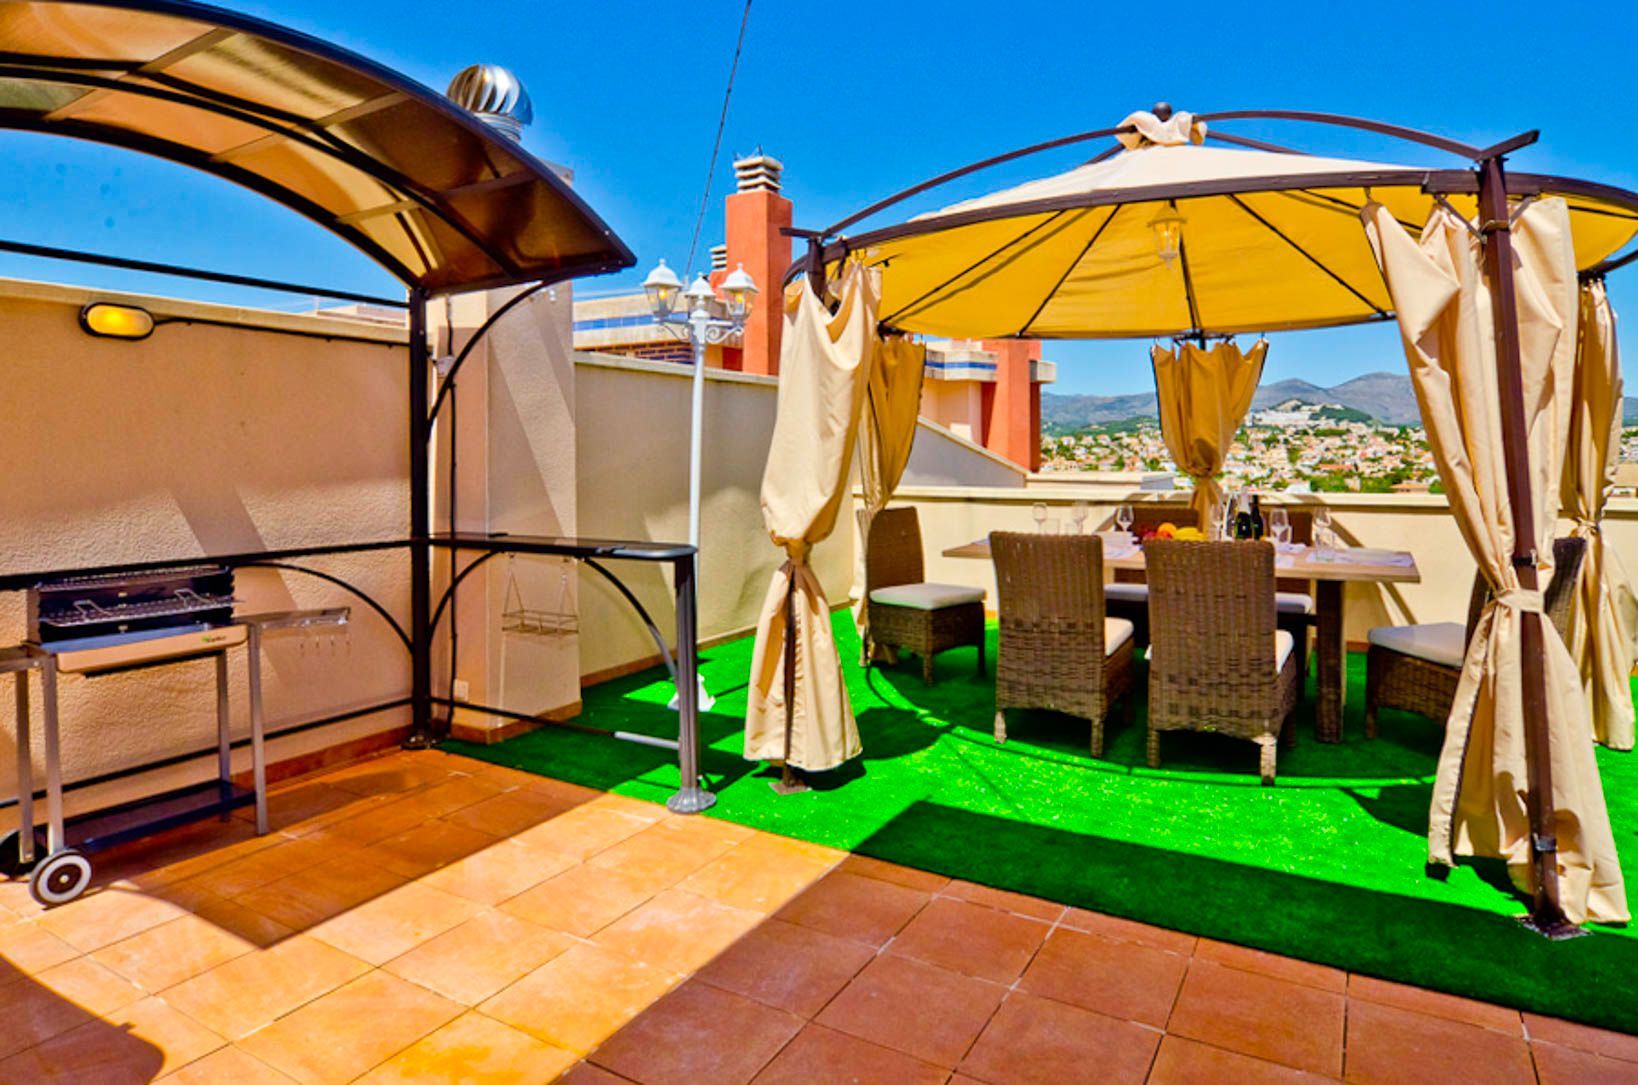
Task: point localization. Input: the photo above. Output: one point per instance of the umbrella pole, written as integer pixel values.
(1546, 917)
(789, 783)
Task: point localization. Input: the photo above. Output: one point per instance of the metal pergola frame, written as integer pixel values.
(427, 724)
(1493, 185)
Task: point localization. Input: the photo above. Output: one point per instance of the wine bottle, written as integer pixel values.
(1242, 520)
(1257, 527)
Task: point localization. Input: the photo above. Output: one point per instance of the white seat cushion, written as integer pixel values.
(1127, 593)
(1444, 643)
(1293, 602)
(926, 596)
(1284, 643)
(1116, 632)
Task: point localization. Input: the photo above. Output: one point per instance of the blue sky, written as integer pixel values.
(861, 99)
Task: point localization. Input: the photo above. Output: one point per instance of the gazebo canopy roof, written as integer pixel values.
(1271, 239)
(395, 169)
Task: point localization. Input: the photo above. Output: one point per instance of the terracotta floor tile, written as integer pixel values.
(509, 813)
(1034, 907)
(180, 853)
(90, 985)
(392, 774)
(395, 922)
(1615, 1045)
(570, 795)
(504, 775)
(227, 1064)
(307, 805)
(350, 1030)
(34, 1013)
(27, 948)
(1270, 964)
(584, 831)
(915, 1008)
(1035, 1041)
(229, 916)
(1392, 1045)
(1259, 1015)
(677, 931)
(661, 856)
(1436, 1004)
(1557, 1065)
(788, 967)
(304, 900)
(480, 957)
(1128, 930)
(247, 992)
(498, 872)
(1120, 979)
(289, 856)
(580, 997)
(909, 877)
(380, 822)
(474, 1050)
(624, 804)
(971, 939)
(580, 901)
(699, 1033)
(427, 847)
(589, 1074)
(1185, 1062)
(848, 906)
(106, 917)
(135, 1044)
(758, 875)
(456, 793)
(165, 955)
(836, 1056)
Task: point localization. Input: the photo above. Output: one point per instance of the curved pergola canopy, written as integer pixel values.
(1269, 239)
(422, 186)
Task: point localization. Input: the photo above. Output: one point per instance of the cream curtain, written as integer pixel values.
(1603, 636)
(1204, 395)
(823, 370)
(887, 431)
(1444, 312)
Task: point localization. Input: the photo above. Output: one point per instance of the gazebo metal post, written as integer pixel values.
(422, 733)
(1495, 226)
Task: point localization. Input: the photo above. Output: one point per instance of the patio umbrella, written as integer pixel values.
(887, 431)
(1480, 798)
(1204, 394)
(1604, 625)
(1167, 233)
(798, 713)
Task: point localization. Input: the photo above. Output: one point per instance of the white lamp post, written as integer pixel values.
(696, 325)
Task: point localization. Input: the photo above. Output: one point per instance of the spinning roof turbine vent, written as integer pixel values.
(495, 96)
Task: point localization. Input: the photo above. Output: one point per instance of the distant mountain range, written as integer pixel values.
(1386, 397)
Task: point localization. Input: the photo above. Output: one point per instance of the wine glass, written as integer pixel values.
(1225, 526)
(1279, 525)
(1040, 514)
(1123, 518)
(1077, 516)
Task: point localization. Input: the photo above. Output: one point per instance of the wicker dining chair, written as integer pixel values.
(1058, 649)
(903, 609)
(1416, 668)
(1218, 662)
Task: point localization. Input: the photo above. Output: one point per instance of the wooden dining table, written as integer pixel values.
(1329, 578)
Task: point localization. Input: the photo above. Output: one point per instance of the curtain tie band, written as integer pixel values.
(1525, 602)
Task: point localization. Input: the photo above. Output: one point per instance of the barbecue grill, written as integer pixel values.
(115, 623)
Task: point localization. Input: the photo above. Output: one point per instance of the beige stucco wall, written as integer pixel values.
(201, 440)
(1420, 523)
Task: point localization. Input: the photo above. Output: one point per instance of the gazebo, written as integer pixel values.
(1183, 230)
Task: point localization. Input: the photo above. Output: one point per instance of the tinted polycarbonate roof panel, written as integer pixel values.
(394, 168)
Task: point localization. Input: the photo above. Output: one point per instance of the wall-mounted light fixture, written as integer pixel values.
(110, 321)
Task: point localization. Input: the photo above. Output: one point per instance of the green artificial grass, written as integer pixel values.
(1329, 865)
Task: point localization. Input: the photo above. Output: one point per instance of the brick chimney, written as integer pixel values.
(756, 215)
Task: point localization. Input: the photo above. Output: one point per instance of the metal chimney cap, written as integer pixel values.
(495, 96)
